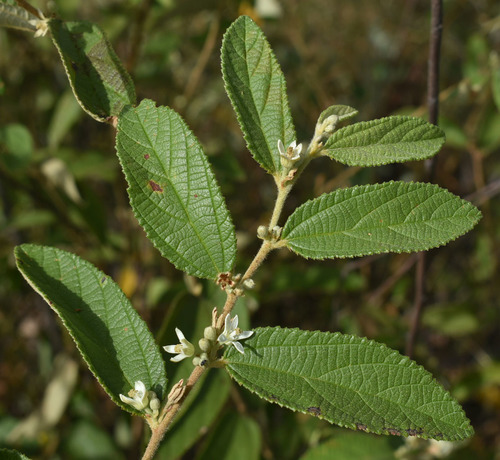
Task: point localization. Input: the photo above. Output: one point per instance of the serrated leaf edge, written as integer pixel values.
(208, 170)
(351, 130)
(277, 167)
(116, 61)
(467, 432)
(117, 401)
(284, 241)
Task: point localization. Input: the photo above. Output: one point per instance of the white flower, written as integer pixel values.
(41, 25)
(232, 333)
(292, 152)
(138, 397)
(184, 349)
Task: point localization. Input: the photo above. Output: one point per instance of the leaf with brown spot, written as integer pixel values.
(351, 381)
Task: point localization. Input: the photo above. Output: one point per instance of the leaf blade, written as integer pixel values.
(256, 87)
(373, 219)
(16, 17)
(97, 77)
(347, 380)
(386, 140)
(112, 338)
(173, 191)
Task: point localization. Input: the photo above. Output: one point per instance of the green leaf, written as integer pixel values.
(235, 436)
(16, 17)
(350, 381)
(173, 191)
(99, 81)
(374, 219)
(257, 89)
(343, 112)
(387, 140)
(111, 336)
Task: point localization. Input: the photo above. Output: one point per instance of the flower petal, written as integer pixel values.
(239, 347)
(281, 147)
(178, 358)
(244, 335)
(180, 335)
(170, 348)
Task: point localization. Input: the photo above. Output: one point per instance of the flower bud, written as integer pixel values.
(196, 361)
(249, 283)
(154, 404)
(205, 344)
(203, 359)
(210, 333)
(262, 232)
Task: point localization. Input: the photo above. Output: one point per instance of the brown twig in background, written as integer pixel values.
(29, 8)
(138, 34)
(434, 55)
(387, 285)
(433, 108)
(206, 52)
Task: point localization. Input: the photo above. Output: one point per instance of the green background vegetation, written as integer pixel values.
(61, 185)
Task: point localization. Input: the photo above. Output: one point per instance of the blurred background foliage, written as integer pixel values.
(61, 185)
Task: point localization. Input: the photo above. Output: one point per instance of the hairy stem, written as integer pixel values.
(158, 432)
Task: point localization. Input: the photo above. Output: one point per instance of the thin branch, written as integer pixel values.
(141, 16)
(434, 58)
(433, 108)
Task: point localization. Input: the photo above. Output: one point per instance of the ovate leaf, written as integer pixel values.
(383, 141)
(173, 191)
(16, 17)
(256, 87)
(111, 336)
(99, 81)
(373, 219)
(350, 381)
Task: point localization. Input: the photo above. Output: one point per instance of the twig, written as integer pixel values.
(434, 58)
(433, 108)
(138, 33)
(393, 279)
(208, 47)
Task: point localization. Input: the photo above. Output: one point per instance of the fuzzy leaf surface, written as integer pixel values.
(99, 81)
(386, 140)
(111, 336)
(173, 191)
(373, 219)
(256, 86)
(15, 17)
(350, 381)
